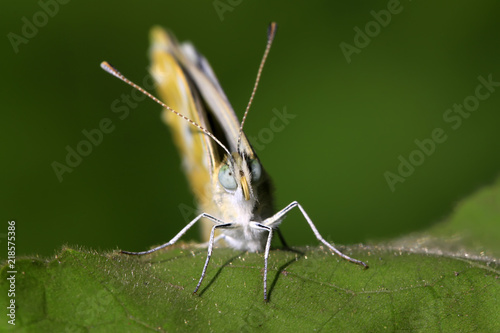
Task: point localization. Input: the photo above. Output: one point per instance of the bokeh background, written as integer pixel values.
(353, 119)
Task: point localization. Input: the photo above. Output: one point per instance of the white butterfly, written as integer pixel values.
(232, 187)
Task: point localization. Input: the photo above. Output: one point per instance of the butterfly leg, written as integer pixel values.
(266, 253)
(276, 219)
(210, 247)
(179, 235)
(216, 240)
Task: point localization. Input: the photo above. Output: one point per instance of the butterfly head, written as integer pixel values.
(237, 176)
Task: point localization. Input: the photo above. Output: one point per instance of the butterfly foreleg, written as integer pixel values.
(260, 226)
(216, 240)
(274, 221)
(210, 248)
(179, 235)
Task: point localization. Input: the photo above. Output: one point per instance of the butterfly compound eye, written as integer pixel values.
(256, 170)
(226, 178)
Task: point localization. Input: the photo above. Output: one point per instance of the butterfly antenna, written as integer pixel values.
(113, 71)
(271, 32)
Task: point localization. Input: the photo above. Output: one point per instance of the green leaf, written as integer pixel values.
(472, 229)
(443, 280)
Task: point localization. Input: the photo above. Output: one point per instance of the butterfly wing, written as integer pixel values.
(199, 69)
(199, 153)
(187, 83)
(218, 104)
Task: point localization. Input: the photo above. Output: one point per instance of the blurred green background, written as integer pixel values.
(352, 121)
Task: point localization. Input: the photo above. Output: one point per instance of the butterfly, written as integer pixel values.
(227, 178)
